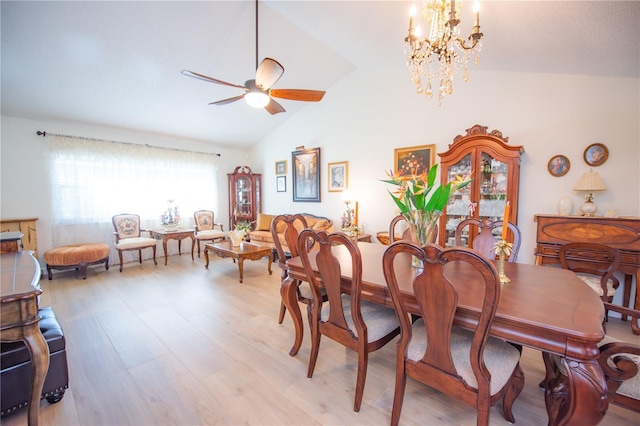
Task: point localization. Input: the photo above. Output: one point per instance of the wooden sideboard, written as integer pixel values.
(622, 233)
(28, 228)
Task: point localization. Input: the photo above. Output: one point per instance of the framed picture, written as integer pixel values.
(559, 165)
(281, 183)
(596, 154)
(414, 159)
(305, 165)
(338, 175)
(281, 167)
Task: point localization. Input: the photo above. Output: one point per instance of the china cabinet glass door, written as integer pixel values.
(494, 167)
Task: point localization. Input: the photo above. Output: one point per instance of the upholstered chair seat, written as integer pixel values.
(500, 357)
(594, 281)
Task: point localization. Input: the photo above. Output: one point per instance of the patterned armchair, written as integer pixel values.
(205, 229)
(129, 236)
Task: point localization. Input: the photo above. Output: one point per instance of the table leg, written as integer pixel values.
(579, 396)
(241, 267)
(39, 350)
(289, 294)
(270, 262)
(206, 257)
(179, 247)
(626, 296)
(636, 305)
(164, 247)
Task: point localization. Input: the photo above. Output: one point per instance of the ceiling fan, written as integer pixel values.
(258, 92)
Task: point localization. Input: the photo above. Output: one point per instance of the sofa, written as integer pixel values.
(262, 232)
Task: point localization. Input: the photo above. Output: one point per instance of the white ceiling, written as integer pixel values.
(117, 64)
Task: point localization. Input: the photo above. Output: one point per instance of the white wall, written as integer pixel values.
(25, 184)
(370, 112)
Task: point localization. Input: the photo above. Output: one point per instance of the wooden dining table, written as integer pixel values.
(544, 308)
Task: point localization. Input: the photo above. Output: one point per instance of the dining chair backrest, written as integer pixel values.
(330, 272)
(404, 233)
(287, 226)
(595, 264)
(484, 239)
(433, 350)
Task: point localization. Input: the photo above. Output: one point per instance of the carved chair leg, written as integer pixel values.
(120, 257)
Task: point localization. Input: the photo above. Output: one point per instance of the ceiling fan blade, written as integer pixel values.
(269, 71)
(208, 79)
(274, 108)
(298, 94)
(227, 101)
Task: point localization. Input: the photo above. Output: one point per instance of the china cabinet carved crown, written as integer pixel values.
(245, 200)
(495, 169)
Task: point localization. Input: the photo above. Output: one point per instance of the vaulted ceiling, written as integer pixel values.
(117, 64)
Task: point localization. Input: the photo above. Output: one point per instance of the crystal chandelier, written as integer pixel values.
(443, 46)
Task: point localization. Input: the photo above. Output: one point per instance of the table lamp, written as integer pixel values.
(589, 182)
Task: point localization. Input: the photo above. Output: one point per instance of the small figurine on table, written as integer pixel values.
(502, 249)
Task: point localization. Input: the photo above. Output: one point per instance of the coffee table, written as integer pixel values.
(250, 251)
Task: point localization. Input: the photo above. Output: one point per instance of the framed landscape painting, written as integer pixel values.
(305, 165)
(414, 159)
(338, 175)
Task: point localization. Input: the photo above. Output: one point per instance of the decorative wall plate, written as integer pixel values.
(559, 165)
(596, 154)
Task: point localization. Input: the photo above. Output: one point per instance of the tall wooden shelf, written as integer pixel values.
(495, 169)
(245, 198)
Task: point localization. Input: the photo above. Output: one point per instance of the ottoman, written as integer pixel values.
(16, 370)
(77, 256)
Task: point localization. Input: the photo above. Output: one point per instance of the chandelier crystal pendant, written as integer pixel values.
(442, 45)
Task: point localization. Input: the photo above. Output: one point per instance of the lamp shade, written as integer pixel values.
(590, 182)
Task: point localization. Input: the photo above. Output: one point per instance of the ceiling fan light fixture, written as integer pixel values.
(254, 96)
(257, 99)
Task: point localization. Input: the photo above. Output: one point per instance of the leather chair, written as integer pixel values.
(469, 365)
(484, 240)
(129, 236)
(16, 371)
(357, 324)
(205, 229)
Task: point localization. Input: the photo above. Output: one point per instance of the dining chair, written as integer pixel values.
(598, 273)
(129, 236)
(619, 361)
(357, 324)
(205, 230)
(485, 240)
(465, 364)
(287, 227)
(398, 221)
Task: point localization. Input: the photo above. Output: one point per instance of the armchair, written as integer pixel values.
(129, 236)
(205, 229)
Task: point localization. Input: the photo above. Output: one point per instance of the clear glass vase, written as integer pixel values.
(423, 226)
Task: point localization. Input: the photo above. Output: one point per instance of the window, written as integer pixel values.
(93, 180)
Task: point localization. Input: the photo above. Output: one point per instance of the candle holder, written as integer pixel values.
(502, 249)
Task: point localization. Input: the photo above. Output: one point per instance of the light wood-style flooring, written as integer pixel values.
(183, 345)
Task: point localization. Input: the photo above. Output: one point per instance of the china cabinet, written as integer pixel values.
(244, 195)
(494, 167)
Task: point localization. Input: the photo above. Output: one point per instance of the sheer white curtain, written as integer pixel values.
(92, 180)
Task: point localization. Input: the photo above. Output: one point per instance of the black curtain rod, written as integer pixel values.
(44, 134)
